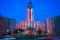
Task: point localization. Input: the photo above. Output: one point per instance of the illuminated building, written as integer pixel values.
(17, 26)
(23, 25)
(43, 27)
(49, 25)
(38, 25)
(30, 15)
(3, 25)
(30, 23)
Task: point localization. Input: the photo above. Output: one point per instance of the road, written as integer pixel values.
(29, 38)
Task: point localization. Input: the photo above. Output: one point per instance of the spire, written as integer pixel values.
(29, 5)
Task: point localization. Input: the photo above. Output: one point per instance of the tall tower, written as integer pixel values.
(30, 14)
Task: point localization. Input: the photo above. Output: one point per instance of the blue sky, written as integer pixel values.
(17, 9)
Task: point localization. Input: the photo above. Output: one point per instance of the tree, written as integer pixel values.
(17, 31)
(39, 31)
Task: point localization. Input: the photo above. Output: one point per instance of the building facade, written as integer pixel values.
(57, 26)
(11, 24)
(49, 25)
(3, 25)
